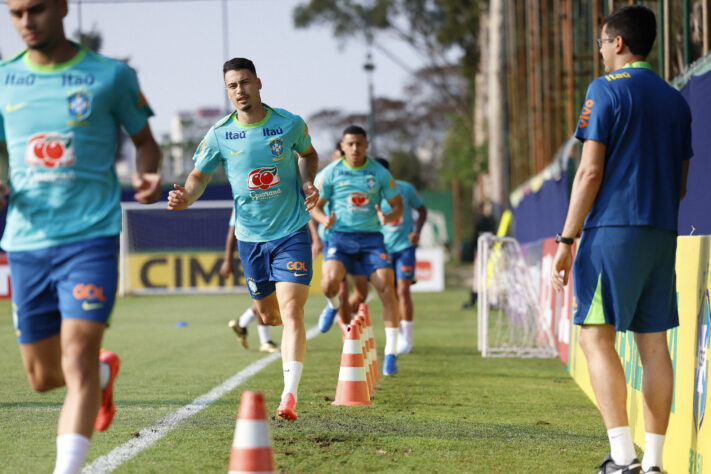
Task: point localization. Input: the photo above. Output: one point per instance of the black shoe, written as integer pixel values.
(608, 466)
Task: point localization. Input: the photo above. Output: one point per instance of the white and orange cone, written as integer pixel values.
(371, 338)
(359, 322)
(252, 445)
(352, 382)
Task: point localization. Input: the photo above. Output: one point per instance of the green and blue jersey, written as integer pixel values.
(354, 192)
(323, 233)
(61, 123)
(258, 159)
(645, 126)
(397, 233)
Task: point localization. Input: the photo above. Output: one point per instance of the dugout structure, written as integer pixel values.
(176, 252)
(510, 321)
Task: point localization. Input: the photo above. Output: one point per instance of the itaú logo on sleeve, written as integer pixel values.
(50, 150)
(263, 178)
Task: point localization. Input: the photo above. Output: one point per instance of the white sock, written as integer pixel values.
(263, 334)
(71, 451)
(621, 445)
(653, 447)
(334, 302)
(104, 374)
(391, 341)
(246, 318)
(406, 330)
(292, 376)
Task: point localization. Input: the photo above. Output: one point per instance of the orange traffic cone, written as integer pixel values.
(252, 446)
(371, 338)
(352, 382)
(359, 322)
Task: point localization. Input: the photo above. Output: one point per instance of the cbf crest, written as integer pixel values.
(370, 181)
(702, 373)
(277, 147)
(79, 103)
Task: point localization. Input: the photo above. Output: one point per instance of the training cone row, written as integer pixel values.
(359, 362)
(252, 445)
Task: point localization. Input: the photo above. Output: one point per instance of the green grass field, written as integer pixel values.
(447, 410)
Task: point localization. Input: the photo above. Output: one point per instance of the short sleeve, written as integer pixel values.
(597, 115)
(208, 156)
(131, 108)
(414, 199)
(302, 141)
(387, 184)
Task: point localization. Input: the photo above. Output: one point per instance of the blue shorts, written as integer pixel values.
(286, 259)
(404, 263)
(625, 276)
(361, 252)
(76, 280)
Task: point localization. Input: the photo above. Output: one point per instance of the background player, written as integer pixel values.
(64, 213)
(401, 239)
(255, 145)
(239, 326)
(354, 187)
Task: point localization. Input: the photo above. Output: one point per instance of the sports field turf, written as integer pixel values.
(447, 410)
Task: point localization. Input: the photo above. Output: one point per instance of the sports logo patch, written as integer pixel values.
(370, 181)
(702, 371)
(50, 150)
(358, 199)
(79, 104)
(277, 147)
(252, 286)
(263, 178)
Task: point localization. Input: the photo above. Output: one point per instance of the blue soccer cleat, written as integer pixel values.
(325, 320)
(390, 365)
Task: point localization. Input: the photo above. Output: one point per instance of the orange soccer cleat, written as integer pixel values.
(287, 408)
(108, 407)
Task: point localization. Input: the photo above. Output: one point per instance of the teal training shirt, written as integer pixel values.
(323, 233)
(397, 234)
(60, 123)
(353, 193)
(258, 159)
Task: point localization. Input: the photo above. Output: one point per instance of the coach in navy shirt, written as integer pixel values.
(636, 134)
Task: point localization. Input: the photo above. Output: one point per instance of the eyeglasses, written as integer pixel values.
(600, 41)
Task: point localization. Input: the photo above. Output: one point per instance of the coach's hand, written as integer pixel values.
(562, 262)
(178, 198)
(311, 195)
(147, 186)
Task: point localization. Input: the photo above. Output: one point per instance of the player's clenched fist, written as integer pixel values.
(178, 198)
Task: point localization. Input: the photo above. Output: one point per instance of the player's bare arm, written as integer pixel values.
(308, 164)
(182, 197)
(586, 185)
(230, 244)
(396, 210)
(414, 236)
(319, 216)
(146, 180)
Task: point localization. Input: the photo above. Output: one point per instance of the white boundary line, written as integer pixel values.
(147, 437)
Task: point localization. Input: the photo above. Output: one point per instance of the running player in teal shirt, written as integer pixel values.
(256, 146)
(60, 109)
(401, 239)
(353, 187)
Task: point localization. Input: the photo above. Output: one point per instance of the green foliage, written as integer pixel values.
(447, 410)
(406, 166)
(462, 160)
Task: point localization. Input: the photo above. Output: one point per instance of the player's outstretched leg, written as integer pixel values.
(265, 340)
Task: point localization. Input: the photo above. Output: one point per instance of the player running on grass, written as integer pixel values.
(353, 187)
(239, 326)
(60, 108)
(255, 145)
(401, 239)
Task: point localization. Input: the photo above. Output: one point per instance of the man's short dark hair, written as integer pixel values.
(338, 148)
(636, 24)
(383, 162)
(235, 64)
(354, 130)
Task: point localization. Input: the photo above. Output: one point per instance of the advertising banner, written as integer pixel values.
(429, 270)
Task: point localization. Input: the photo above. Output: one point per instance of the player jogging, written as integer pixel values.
(353, 187)
(401, 239)
(255, 145)
(636, 133)
(60, 108)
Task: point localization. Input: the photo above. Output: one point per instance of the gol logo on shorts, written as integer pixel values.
(88, 292)
(299, 266)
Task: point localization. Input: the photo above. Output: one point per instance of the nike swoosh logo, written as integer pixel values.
(11, 108)
(300, 274)
(233, 153)
(86, 306)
